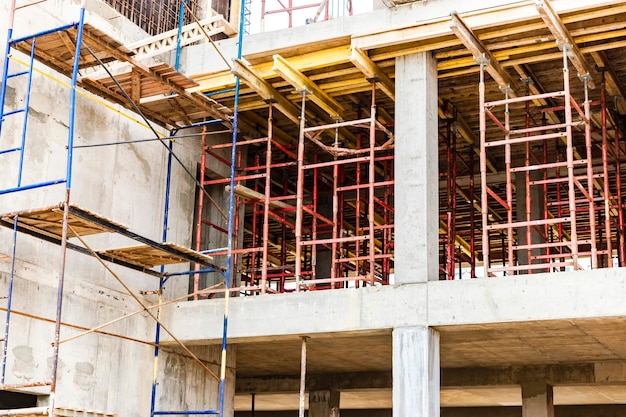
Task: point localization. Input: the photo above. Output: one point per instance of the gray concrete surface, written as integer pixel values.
(416, 170)
(416, 372)
(126, 183)
(539, 297)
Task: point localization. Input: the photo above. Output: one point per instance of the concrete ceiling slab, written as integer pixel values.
(501, 344)
(450, 397)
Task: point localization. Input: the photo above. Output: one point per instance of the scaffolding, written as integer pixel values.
(335, 232)
(79, 48)
(557, 199)
(360, 252)
(326, 9)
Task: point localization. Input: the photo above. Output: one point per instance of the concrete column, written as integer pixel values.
(324, 403)
(416, 169)
(537, 400)
(416, 372)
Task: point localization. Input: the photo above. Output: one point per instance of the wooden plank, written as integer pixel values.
(49, 222)
(480, 52)
(372, 72)
(149, 257)
(302, 83)
(250, 194)
(266, 91)
(564, 39)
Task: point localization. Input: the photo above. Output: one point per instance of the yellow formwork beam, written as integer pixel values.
(306, 62)
(372, 72)
(265, 90)
(302, 83)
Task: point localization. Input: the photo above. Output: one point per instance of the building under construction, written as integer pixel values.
(291, 208)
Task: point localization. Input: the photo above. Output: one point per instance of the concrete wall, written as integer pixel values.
(125, 183)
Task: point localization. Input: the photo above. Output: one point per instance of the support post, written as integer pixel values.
(416, 372)
(416, 169)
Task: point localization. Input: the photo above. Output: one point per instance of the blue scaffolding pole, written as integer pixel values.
(229, 261)
(67, 180)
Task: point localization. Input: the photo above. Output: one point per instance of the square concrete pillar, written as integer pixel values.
(324, 403)
(416, 169)
(537, 400)
(416, 372)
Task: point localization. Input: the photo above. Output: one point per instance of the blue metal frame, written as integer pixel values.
(19, 187)
(68, 184)
(26, 107)
(46, 32)
(231, 211)
(162, 281)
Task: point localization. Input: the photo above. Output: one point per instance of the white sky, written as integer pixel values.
(280, 20)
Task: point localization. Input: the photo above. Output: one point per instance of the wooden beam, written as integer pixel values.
(480, 52)
(201, 101)
(250, 194)
(135, 86)
(301, 83)
(613, 86)
(564, 39)
(510, 15)
(372, 72)
(311, 61)
(266, 91)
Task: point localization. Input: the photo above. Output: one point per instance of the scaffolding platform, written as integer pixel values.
(47, 224)
(158, 91)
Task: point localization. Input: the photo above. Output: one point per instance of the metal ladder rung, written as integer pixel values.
(10, 150)
(14, 112)
(17, 74)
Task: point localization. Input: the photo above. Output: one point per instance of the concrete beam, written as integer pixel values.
(513, 13)
(379, 309)
(559, 411)
(581, 294)
(372, 309)
(315, 382)
(613, 372)
(605, 410)
(344, 413)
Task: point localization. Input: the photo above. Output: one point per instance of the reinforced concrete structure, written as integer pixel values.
(416, 210)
